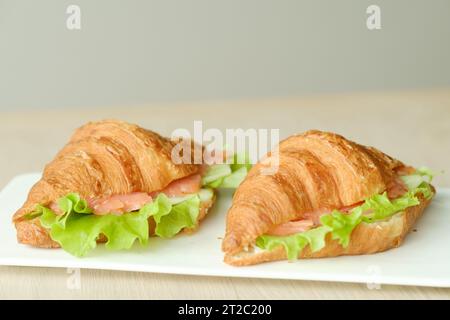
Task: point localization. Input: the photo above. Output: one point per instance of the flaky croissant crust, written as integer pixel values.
(106, 158)
(318, 171)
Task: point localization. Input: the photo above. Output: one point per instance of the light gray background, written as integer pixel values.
(140, 52)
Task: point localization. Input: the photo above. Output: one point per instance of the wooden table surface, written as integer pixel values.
(412, 126)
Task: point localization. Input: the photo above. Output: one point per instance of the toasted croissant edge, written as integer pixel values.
(367, 238)
(30, 232)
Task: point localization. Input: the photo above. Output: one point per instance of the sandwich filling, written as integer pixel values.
(294, 236)
(77, 224)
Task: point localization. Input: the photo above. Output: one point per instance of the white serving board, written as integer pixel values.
(423, 260)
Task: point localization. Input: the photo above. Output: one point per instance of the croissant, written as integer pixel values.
(107, 162)
(325, 185)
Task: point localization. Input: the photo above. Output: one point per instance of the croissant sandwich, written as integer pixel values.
(115, 182)
(329, 197)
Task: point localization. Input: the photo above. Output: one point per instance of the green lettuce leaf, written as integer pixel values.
(77, 229)
(341, 225)
(316, 237)
(295, 243)
(215, 173)
(182, 215)
(292, 244)
(425, 189)
(416, 179)
(80, 233)
(233, 180)
(381, 207)
(241, 160)
(228, 175)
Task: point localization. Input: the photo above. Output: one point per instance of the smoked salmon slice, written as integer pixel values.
(119, 204)
(291, 227)
(182, 187)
